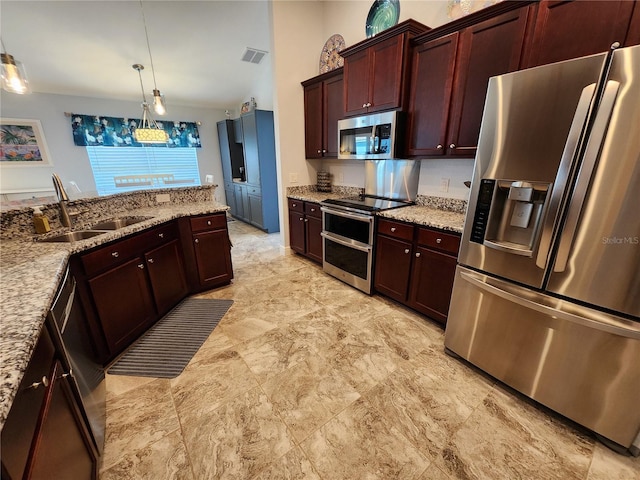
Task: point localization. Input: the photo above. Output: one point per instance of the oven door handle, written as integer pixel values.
(353, 216)
(351, 244)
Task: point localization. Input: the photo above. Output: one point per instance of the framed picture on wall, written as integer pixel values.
(22, 144)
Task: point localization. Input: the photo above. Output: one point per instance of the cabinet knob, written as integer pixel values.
(406, 250)
(197, 240)
(364, 105)
(313, 209)
(393, 229)
(151, 260)
(68, 374)
(294, 204)
(319, 151)
(368, 104)
(44, 382)
(115, 254)
(301, 219)
(453, 145)
(324, 151)
(208, 222)
(161, 235)
(306, 219)
(439, 147)
(141, 266)
(438, 240)
(417, 254)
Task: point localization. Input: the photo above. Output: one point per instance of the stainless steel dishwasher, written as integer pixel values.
(87, 374)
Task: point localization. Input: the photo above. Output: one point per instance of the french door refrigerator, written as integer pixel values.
(547, 289)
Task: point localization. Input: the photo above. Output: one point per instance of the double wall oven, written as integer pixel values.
(348, 224)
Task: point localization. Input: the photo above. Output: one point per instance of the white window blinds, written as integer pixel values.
(123, 169)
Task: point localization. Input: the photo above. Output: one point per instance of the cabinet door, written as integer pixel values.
(297, 232)
(393, 266)
(230, 195)
(313, 238)
(356, 83)
(431, 283)
(490, 48)
(251, 151)
(313, 100)
(123, 302)
(213, 257)
(385, 79)
(166, 273)
(224, 142)
(570, 29)
(62, 448)
(239, 193)
(430, 95)
(333, 110)
(255, 207)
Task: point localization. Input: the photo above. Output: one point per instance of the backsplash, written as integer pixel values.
(441, 203)
(335, 190)
(19, 223)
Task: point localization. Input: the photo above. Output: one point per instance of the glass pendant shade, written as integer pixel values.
(14, 76)
(158, 102)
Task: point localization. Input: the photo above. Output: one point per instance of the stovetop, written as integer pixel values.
(366, 203)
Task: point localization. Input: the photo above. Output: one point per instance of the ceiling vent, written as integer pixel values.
(252, 55)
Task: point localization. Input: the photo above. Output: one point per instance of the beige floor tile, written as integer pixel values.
(138, 418)
(360, 444)
(243, 330)
(237, 440)
(118, 384)
(308, 394)
(608, 465)
(165, 459)
(507, 438)
(292, 466)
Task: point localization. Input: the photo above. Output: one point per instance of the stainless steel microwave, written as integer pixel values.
(375, 136)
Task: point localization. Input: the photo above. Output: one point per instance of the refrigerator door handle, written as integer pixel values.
(589, 162)
(564, 170)
(499, 288)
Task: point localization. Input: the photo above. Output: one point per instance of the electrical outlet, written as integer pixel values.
(444, 184)
(208, 178)
(163, 198)
(293, 178)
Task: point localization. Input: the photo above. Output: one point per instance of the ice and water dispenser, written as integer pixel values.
(509, 215)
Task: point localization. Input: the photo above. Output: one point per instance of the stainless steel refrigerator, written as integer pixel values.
(547, 289)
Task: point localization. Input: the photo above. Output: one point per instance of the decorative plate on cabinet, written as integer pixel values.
(330, 58)
(382, 15)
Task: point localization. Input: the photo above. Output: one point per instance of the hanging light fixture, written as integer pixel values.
(159, 105)
(14, 76)
(148, 131)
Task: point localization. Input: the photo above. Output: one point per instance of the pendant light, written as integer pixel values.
(159, 105)
(14, 76)
(148, 131)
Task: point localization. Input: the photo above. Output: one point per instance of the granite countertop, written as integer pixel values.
(31, 272)
(429, 216)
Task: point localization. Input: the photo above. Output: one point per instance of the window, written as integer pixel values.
(124, 169)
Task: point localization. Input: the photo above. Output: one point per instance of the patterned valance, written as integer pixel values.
(94, 130)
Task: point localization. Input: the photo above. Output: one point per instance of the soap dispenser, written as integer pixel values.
(40, 221)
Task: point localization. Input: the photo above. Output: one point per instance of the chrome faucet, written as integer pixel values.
(63, 199)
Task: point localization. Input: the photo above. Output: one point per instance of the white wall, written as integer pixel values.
(70, 161)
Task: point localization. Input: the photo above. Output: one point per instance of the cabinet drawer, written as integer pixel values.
(108, 256)
(296, 205)
(403, 231)
(312, 209)
(254, 190)
(208, 222)
(438, 240)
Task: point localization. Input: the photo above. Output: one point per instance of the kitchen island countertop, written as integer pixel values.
(31, 273)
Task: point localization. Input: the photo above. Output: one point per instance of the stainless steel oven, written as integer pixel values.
(348, 246)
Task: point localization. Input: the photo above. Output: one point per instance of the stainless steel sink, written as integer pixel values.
(73, 236)
(116, 223)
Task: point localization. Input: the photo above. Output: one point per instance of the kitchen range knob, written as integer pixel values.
(151, 260)
(141, 266)
(453, 145)
(161, 235)
(406, 250)
(439, 147)
(393, 229)
(417, 254)
(115, 254)
(44, 382)
(197, 240)
(438, 240)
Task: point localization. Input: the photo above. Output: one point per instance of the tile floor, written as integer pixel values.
(307, 378)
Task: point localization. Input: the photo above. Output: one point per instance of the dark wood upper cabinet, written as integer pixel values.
(323, 107)
(376, 70)
(633, 35)
(570, 29)
(449, 83)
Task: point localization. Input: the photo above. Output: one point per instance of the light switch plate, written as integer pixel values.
(163, 198)
(444, 184)
(293, 178)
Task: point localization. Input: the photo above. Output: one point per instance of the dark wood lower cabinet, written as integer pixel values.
(416, 266)
(166, 273)
(305, 227)
(212, 269)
